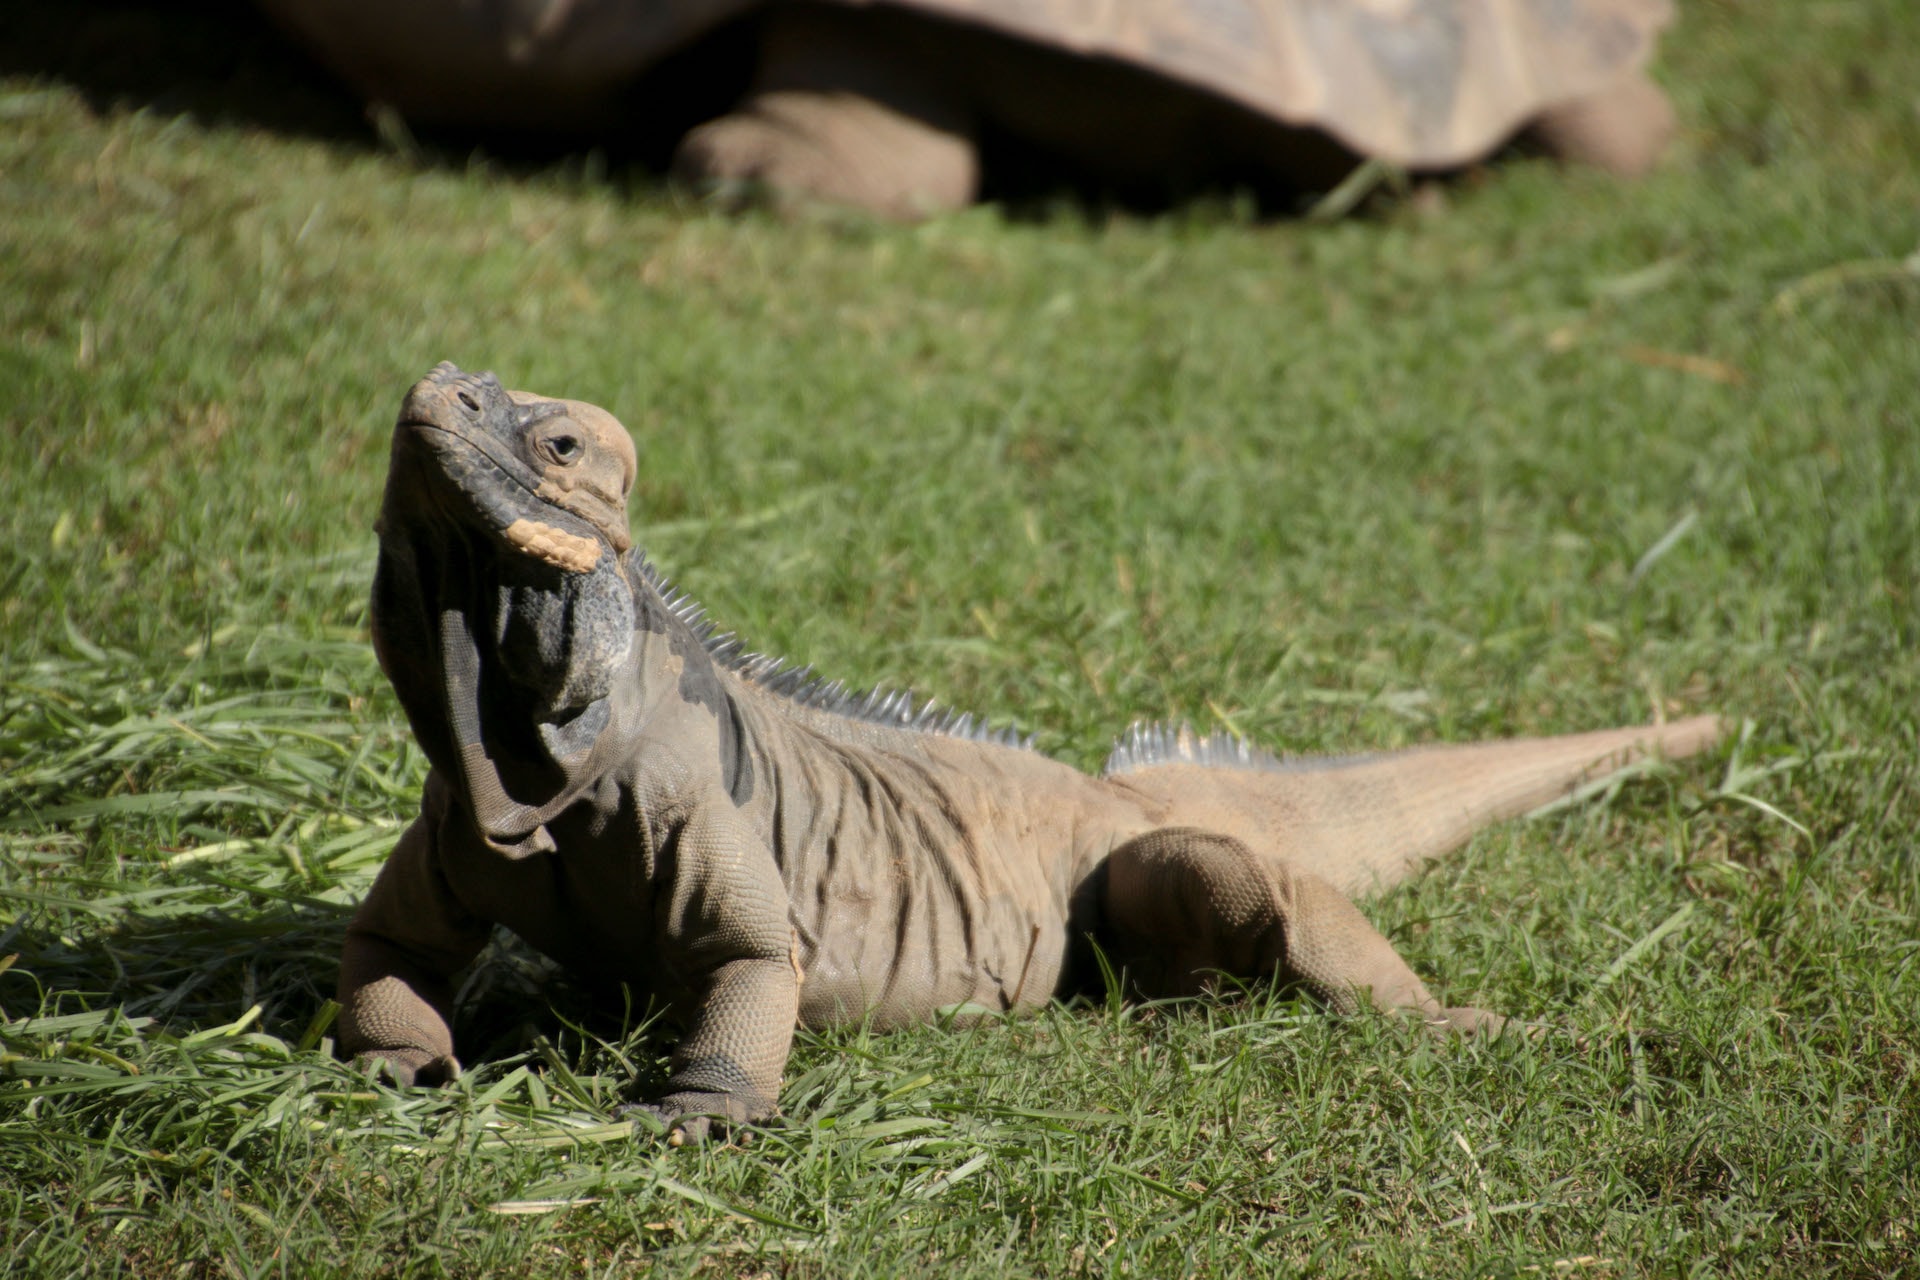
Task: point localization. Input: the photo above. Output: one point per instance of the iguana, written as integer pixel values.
(650, 805)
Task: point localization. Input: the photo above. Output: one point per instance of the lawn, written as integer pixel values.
(1531, 452)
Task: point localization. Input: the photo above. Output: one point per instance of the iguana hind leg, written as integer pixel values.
(1184, 905)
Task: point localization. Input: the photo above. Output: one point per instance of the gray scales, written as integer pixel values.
(655, 808)
(884, 104)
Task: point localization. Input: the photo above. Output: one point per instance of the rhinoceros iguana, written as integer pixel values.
(650, 805)
(884, 104)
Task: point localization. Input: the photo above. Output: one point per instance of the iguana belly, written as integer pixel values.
(912, 959)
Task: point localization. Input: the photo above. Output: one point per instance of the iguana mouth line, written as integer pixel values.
(532, 537)
(479, 446)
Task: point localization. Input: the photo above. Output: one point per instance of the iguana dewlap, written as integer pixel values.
(650, 806)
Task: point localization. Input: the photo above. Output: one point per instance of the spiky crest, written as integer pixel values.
(1145, 745)
(894, 708)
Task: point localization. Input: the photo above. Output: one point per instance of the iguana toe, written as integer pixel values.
(655, 1121)
(690, 1119)
(1465, 1020)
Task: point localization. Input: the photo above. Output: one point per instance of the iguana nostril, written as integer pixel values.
(466, 398)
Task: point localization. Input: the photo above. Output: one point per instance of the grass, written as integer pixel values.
(1538, 454)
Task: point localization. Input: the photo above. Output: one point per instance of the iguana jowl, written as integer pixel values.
(650, 806)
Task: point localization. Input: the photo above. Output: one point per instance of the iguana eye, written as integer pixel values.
(561, 448)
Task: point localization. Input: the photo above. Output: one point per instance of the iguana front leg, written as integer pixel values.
(1184, 904)
(395, 1013)
(407, 939)
(726, 915)
(726, 1071)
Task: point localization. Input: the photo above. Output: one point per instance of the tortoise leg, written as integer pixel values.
(842, 111)
(1622, 128)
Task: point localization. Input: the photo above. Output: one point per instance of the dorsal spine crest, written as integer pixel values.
(1148, 745)
(891, 708)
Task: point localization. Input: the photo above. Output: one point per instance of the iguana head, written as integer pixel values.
(503, 606)
(550, 477)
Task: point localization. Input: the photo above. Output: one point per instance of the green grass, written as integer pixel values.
(1544, 454)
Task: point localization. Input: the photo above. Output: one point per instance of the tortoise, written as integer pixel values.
(883, 103)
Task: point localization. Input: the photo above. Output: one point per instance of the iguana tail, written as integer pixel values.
(1365, 822)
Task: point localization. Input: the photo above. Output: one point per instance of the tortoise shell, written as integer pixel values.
(1423, 83)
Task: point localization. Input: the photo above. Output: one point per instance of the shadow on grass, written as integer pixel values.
(224, 63)
(218, 61)
(193, 972)
(186, 970)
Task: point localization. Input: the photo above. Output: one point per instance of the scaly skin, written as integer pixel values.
(650, 810)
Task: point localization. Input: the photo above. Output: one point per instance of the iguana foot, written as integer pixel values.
(690, 1119)
(1465, 1020)
(421, 1067)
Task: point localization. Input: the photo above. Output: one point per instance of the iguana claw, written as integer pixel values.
(1465, 1020)
(405, 1067)
(690, 1119)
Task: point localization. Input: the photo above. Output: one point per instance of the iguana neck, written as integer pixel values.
(507, 671)
(671, 663)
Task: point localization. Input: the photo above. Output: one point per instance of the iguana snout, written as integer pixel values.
(534, 469)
